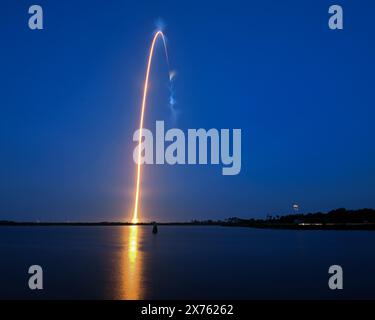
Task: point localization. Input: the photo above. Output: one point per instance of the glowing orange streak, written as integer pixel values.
(137, 192)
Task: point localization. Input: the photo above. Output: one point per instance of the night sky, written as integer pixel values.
(70, 98)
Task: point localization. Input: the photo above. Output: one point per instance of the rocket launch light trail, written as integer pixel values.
(144, 99)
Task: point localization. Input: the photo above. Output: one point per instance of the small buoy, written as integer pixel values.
(155, 228)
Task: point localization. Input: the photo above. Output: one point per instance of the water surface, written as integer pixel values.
(181, 262)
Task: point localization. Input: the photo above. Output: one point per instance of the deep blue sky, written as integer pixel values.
(70, 94)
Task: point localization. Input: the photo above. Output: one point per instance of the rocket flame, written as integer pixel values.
(151, 53)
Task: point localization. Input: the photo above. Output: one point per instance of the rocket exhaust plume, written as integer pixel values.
(144, 99)
(172, 100)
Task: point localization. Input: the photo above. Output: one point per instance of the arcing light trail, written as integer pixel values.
(144, 99)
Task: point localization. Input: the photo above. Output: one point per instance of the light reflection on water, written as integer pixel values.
(131, 264)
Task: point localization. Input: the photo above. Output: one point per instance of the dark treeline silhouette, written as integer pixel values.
(335, 216)
(362, 219)
(334, 219)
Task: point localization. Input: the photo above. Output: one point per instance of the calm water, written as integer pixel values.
(185, 262)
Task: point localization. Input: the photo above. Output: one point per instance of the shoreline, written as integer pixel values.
(293, 226)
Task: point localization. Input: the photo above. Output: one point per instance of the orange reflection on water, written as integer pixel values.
(131, 264)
